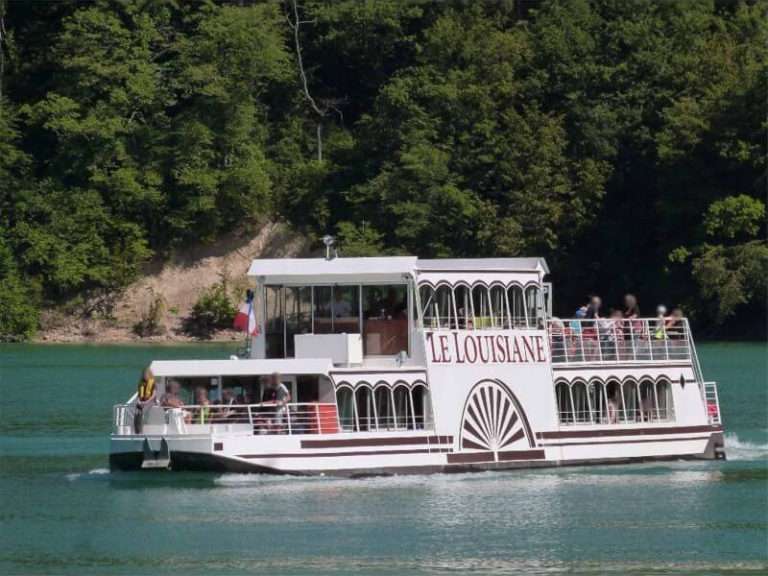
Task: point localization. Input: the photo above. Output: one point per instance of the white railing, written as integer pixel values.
(607, 340)
(295, 418)
(712, 402)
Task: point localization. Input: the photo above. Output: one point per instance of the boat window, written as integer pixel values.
(366, 415)
(298, 314)
(599, 402)
(346, 406)
(323, 316)
(517, 306)
(614, 406)
(385, 319)
(437, 307)
(647, 401)
(462, 296)
(274, 325)
(532, 305)
(481, 306)
(403, 409)
(564, 402)
(663, 400)
(499, 307)
(632, 402)
(422, 407)
(346, 309)
(384, 409)
(581, 408)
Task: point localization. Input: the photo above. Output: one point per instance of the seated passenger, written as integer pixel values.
(171, 397)
(172, 400)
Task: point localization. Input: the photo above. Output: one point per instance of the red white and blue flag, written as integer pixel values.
(245, 319)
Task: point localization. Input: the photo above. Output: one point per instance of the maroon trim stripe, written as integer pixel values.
(360, 442)
(477, 457)
(627, 432)
(628, 441)
(339, 454)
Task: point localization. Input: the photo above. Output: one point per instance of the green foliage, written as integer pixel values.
(18, 311)
(623, 140)
(214, 310)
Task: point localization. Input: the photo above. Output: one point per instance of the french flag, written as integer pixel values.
(245, 319)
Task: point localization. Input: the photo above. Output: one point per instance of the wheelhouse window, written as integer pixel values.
(385, 319)
(532, 305)
(298, 314)
(462, 296)
(346, 309)
(517, 306)
(499, 307)
(274, 325)
(477, 307)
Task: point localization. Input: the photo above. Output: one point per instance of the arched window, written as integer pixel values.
(422, 407)
(366, 415)
(598, 399)
(516, 306)
(664, 400)
(499, 307)
(532, 305)
(615, 404)
(647, 401)
(632, 401)
(385, 413)
(581, 408)
(481, 305)
(564, 402)
(463, 299)
(403, 408)
(345, 402)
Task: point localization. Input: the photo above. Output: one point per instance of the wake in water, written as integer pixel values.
(737, 449)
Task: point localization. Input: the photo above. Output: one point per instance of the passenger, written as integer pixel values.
(661, 323)
(590, 332)
(593, 308)
(633, 327)
(204, 410)
(675, 327)
(277, 397)
(341, 307)
(227, 400)
(145, 397)
(172, 400)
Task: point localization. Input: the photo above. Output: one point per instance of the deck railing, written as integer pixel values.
(607, 340)
(294, 418)
(712, 402)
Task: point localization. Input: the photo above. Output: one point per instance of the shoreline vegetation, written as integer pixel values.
(148, 149)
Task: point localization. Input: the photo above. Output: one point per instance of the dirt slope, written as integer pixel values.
(179, 281)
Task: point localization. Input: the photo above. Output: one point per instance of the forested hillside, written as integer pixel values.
(625, 141)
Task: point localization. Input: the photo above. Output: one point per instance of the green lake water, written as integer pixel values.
(63, 513)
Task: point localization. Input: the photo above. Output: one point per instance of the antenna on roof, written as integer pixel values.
(330, 251)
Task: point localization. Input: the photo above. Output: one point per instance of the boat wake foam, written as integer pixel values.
(737, 449)
(91, 473)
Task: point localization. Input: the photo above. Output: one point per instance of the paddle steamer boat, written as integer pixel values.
(401, 365)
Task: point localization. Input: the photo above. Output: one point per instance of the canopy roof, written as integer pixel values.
(381, 269)
(245, 367)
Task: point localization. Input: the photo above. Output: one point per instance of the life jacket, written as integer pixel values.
(146, 389)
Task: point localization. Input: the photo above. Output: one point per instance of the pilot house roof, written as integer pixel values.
(383, 269)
